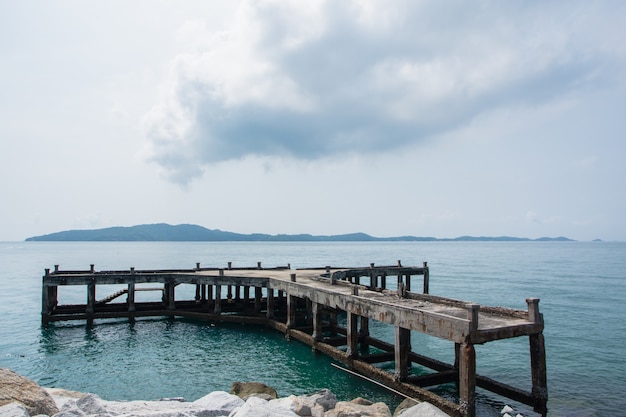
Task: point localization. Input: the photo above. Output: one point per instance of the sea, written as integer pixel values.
(582, 287)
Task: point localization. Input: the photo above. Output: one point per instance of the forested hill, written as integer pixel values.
(193, 233)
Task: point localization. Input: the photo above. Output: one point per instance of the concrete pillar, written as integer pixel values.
(203, 293)
(426, 278)
(217, 309)
(198, 291)
(538, 371)
(383, 281)
(316, 312)
(218, 294)
(402, 349)
(131, 296)
(91, 296)
(237, 292)
(291, 311)
(539, 390)
(270, 303)
(170, 298)
(467, 378)
(364, 332)
(246, 294)
(229, 294)
(258, 294)
(352, 337)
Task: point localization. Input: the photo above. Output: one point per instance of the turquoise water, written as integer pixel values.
(582, 286)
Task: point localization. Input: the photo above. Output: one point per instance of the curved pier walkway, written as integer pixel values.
(305, 303)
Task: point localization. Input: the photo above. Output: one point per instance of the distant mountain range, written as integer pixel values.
(193, 233)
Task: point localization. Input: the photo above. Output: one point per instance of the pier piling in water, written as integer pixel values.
(306, 306)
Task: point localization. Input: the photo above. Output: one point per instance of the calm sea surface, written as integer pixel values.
(582, 287)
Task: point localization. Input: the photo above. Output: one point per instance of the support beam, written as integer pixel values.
(131, 296)
(402, 348)
(91, 297)
(291, 311)
(218, 299)
(467, 378)
(353, 335)
(538, 371)
(316, 312)
(270, 303)
(257, 298)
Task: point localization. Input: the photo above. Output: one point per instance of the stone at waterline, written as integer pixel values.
(244, 390)
(14, 387)
(13, 409)
(359, 407)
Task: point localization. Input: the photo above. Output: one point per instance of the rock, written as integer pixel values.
(359, 407)
(422, 410)
(218, 402)
(90, 404)
(258, 407)
(14, 387)
(407, 403)
(13, 409)
(314, 405)
(253, 389)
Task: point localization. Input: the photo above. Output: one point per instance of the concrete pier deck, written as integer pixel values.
(304, 304)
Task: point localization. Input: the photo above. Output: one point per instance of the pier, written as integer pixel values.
(306, 304)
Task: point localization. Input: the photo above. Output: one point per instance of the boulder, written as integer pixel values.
(218, 403)
(422, 410)
(16, 388)
(13, 409)
(359, 407)
(407, 403)
(244, 390)
(314, 405)
(258, 407)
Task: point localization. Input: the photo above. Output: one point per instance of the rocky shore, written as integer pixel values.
(21, 397)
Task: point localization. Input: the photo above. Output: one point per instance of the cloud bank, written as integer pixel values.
(321, 78)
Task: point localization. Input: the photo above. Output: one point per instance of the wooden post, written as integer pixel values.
(270, 303)
(91, 296)
(402, 349)
(383, 281)
(131, 297)
(316, 312)
(218, 294)
(169, 296)
(203, 293)
(291, 311)
(426, 278)
(467, 378)
(353, 335)
(198, 296)
(258, 293)
(472, 315)
(407, 284)
(364, 332)
(538, 370)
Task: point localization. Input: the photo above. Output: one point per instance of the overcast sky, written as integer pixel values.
(427, 118)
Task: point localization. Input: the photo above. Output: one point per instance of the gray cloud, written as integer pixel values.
(314, 79)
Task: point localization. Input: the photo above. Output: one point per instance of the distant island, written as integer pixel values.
(162, 232)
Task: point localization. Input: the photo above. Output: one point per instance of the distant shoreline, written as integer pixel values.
(162, 232)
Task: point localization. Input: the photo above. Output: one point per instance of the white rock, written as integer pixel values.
(506, 409)
(423, 410)
(13, 409)
(218, 403)
(507, 415)
(258, 407)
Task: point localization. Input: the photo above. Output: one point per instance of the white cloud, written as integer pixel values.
(317, 78)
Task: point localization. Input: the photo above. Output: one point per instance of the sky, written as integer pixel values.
(424, 118)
